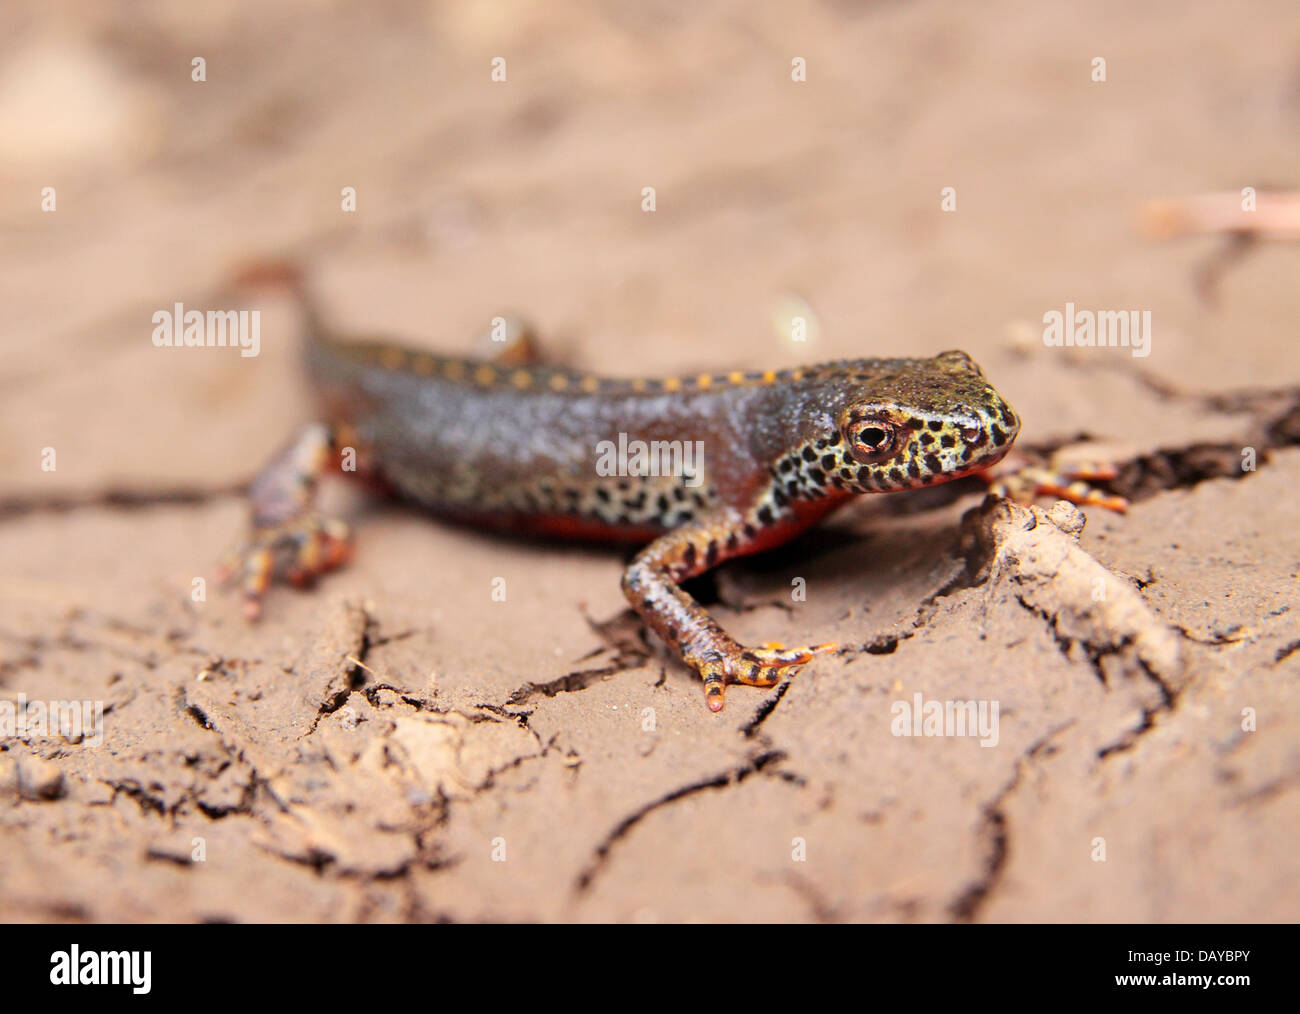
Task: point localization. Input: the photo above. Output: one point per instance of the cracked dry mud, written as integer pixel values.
(395, 745)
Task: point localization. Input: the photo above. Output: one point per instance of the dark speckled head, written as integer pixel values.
(899, 424)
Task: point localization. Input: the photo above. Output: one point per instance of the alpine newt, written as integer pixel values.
(515, 446)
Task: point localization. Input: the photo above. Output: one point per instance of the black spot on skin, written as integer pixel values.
(999, 437)
(662, 504)
(688, 554)
(936, 424)
(684, 518)
(679, 493)
(837, 482)
(932, 463)
(602, 494)
(792, 487)
(913, 469)
(749, 530)
(779, 497)
(828, 462)
(927, 439)
(897, 475)
(864, 476)
(786, 464)
(638, 503)
(847, 473)
(947, 441)
(624, 485)
(966, 453)
(732, 540)
(711, 556)
(817, 475)
(809, 454)
(915, 424)
(765, 514)
(834, 439)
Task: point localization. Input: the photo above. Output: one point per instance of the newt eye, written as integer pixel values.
(871, 439)
(873, 436)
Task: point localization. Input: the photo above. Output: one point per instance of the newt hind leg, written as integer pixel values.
(289, 541)
(651, 584)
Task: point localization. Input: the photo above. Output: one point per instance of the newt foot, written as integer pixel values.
(755, 667)
(298, 552)
(1069, 482)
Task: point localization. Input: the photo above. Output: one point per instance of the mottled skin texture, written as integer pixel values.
(516, 447)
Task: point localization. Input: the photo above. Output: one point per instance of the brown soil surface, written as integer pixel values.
(395, 745)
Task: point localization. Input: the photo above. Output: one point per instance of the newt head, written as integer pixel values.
(904, 423)
(928, 421)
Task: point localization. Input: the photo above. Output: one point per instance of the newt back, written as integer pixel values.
(563, 452)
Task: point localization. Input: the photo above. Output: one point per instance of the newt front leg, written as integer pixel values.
(652, 584)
